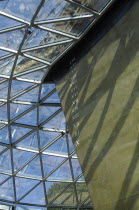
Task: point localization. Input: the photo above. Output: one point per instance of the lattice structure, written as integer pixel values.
(38, 163)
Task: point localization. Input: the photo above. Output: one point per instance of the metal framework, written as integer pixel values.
(39, 168)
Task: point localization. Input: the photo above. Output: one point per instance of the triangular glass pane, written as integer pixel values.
(2, 148)
(68, 197)
(50, 163)
(73, 27)
(33, 169)
(40, 37)
(59, 9)
(22, 9)
(12, 39)
(20, 157)
(29, 119)
(4, 90)
(6, 22)
(46, 137)
(57, 122)
(3, 177)
(45, 112)
(17, 109)
(18, 132)
(53, 189)
(82, 192)
(5, 162)
(18, 86)
(24, 64)
(3, 53)
(23, 186)
(30, 96)
(36, 196)
(46, 88)
(36, 75)
(95, 4)
(63, 173)
(76, 168)
(49, 53)
(7, 190)
(59, 147)
(3, 112)
(29, 142)
(4, 137)
(6, 65)
(54, 98)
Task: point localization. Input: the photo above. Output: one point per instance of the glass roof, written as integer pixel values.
(38, 163)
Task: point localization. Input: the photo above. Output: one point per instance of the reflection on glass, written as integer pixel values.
(3, 53)
(25, 64)
(34, 143)
(12, 39)
(6, 22)
(39, 37)
(21, 9)
(36, 75)
(6, 65)
(73, 27)
(94, 4)
(59, 9)
(49, 53)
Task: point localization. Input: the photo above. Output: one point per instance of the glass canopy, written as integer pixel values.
(39, 168)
